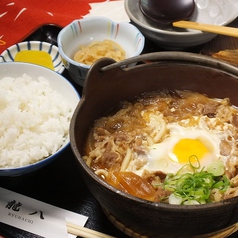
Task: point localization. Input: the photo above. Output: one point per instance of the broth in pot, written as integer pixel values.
(176, 147)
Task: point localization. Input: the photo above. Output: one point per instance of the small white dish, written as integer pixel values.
(9, 54)
(92, 29)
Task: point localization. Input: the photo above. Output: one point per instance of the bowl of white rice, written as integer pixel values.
(36, 106)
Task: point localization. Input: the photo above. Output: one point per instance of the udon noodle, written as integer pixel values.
(154, 147)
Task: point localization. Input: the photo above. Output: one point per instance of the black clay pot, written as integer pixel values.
(107, 84)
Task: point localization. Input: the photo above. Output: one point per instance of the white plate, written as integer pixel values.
(9, 54)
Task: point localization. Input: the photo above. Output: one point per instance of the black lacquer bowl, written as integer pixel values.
(109, 83)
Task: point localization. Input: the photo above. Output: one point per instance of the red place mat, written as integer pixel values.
(19, 18)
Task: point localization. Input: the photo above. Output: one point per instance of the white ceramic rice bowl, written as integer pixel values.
(57, 83)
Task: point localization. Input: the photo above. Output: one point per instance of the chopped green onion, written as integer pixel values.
(191, 202)
(176, 200)
(216, 168)
(192, 164)
(196, 187)
(222, 184)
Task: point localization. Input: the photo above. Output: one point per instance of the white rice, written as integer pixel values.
(34, 121)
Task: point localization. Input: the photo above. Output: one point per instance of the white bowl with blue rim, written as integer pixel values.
(91, 29)
(59, 84)
(10, 53)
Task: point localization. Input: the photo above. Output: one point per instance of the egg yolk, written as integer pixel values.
(35, 57)
(189, 151)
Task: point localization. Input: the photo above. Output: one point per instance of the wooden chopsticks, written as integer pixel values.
(85, 232)
(222, 30)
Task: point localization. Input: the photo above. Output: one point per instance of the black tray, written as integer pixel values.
(60, 183)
